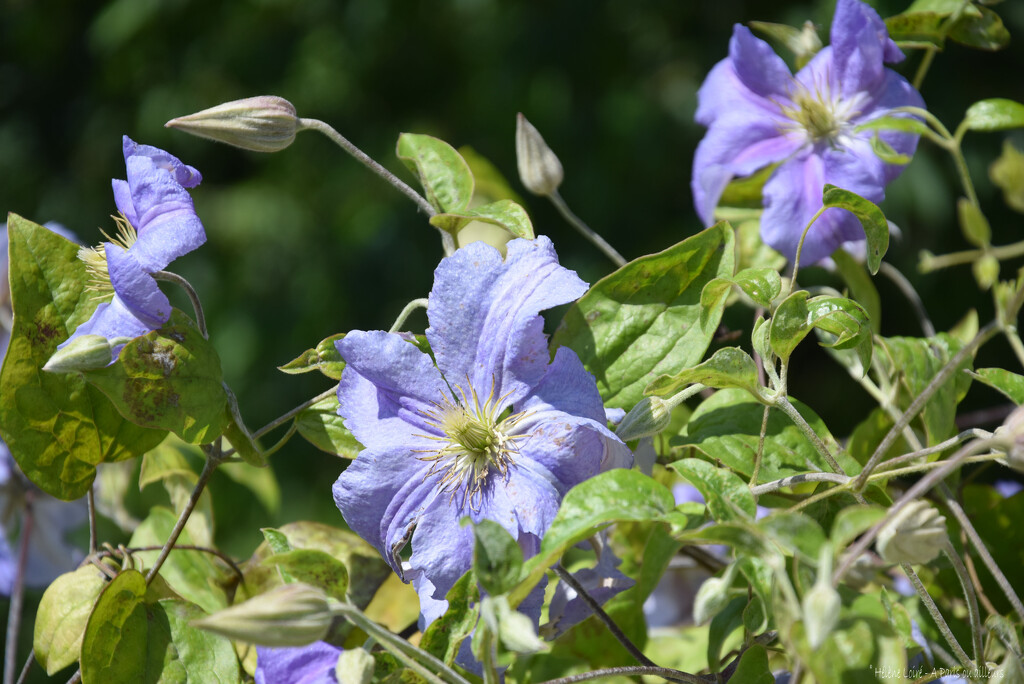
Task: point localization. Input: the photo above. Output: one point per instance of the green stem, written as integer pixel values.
(792, 480)
(933, 610)
(213, 459)
(971, 598)
(281, 420)
(585, 230)
(920, 400)
(799, 249)
(409, 308)
(760, 448)
(1003, 252)
(922, 68)
(417, 660)
(447, 241)
(798, 420)
(193, 296)
(1014, 339)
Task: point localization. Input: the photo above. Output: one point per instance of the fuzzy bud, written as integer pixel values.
(288, 615)
(260, 124)
(85, 353)
(650, 416)
(915, 535)
(539, 168)
(712, 596)
(821, 604)
(1013, 430)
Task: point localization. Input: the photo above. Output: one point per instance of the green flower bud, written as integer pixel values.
(287, 615)
(539, 168)
(86, 352)
(821, 604)
(712, 596)
(914, 535)
(650, 416)
(1013, 430)
(260, 124)
(986, 271)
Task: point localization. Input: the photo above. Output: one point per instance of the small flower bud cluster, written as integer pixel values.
(260, 124)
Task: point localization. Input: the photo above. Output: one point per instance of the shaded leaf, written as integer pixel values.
(57, 426)
(760, 284)
(169, 379)
(313, 567)
(62, 616)
(973, 223)
(1010, 384)
(321, 425)
(980, 28)
(497, 558)
(644, 319)
(753, 667)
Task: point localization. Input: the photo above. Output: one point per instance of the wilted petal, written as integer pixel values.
(312, 664)
(387, 386)
(498, 339)
(185, 175)
(136, 288)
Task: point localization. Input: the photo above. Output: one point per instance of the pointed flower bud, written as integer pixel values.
(914, 535)
(650, 416)
(288, 615)
(260, 124)
(712, 596)
(1013, 430)
(539, 168)
(85, 353)
(822, 603)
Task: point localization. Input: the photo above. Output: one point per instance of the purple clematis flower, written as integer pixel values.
(758, 114)
(312, 664)
(494, 430)
(158, 224)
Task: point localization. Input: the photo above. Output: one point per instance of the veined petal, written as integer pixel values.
(893, 91)
(484, 314)
(312, 664)
(737, 144)
(442, 551)
(386, 389)
(166, 220)
(110, 320)
(534, 495)
(136, 288)
(123, 200)
(186, 176)
(382, 495)
(757, 66)
(568, 387)
(860, 46)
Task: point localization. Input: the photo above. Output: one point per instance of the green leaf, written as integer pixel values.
(503, 213)
(491, 185)
(726, 495)
(981, 28)
(857, 644)
(166, 463)
(446, 634)
(321, 425)
(191, 574)
(861, 288)
(497, 558)
(134, 635)
(444, 174)
(1007, 172)
(169, 379)
(62, 615)
(57, 427)
(1010, 384)
(844, 318)
(753, 667)
(794, 532)
(723, 625)
(760, 284)
(914, 362)
(918, 28)
(324, 357)
(871, 218)
(726, 427)
(728, 367)
(852, 521)
(887, 153)
(314, 567)
(973, 223)
(276, 540)
(803, 42)
(997, 114)
(644, 320)
(905, 124)
(612, 496)
(260, 481)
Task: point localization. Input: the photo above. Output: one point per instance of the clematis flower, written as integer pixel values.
(312, 664)
(158, 224)
(758, 114)
(494, 430)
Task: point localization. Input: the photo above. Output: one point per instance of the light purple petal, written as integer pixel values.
(757, 67)
(123, 200)
(312, 664)
(534, 495)
(484, 314)
(893, 91)
(442, 551)
(382, 494)
(185, 175)
(110, 320)
(166, 220)
(860, 45)
(136, 288)
(603, 581)
(387, 386)
(8, 565)
(568, 387)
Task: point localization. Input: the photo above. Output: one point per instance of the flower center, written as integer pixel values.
(476, 441)
(95, 258)
(820, 115)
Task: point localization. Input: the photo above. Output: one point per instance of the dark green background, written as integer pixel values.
(305, 243)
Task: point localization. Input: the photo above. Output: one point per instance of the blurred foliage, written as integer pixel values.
(298, 240)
